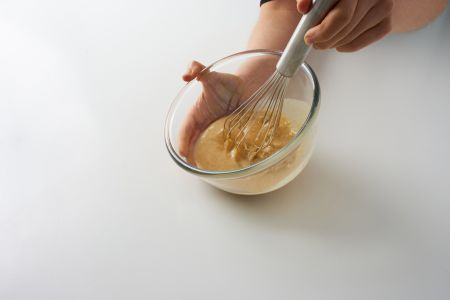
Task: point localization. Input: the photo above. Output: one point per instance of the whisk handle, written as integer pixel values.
(297, 50)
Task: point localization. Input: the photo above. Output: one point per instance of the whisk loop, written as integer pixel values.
(252, 126)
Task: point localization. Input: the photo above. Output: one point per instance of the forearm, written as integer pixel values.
(276, 23)
(277, 20)
(408, 15)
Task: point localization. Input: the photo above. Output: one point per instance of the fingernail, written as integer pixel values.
(302, 9)
(309, 39)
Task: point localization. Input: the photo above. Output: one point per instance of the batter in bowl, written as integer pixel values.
(213, 152)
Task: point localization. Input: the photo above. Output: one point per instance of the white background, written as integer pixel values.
(92, 207)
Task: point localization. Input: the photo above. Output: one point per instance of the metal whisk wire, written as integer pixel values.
(266, 104)
(263, 107)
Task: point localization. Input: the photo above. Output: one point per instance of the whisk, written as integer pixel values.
(254, 123)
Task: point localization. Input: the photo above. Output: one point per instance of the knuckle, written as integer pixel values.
(342, 18)
(387, 6)
(346, 48)
(338, 21)
(386, 26)
(352, 48)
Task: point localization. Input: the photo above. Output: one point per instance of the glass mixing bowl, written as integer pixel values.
(300, 107)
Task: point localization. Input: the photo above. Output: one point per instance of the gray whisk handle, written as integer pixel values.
(297, 50)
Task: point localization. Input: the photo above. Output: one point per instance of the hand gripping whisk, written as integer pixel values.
(254, 123)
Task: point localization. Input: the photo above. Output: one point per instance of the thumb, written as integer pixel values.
(193, 70)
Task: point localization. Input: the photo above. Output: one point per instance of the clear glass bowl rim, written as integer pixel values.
(263, 164)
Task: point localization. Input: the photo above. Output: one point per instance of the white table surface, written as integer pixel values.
(92, 207)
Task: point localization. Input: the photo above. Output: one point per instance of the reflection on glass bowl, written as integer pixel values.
(300, 108)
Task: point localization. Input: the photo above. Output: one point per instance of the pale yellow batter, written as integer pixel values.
(213, 152)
